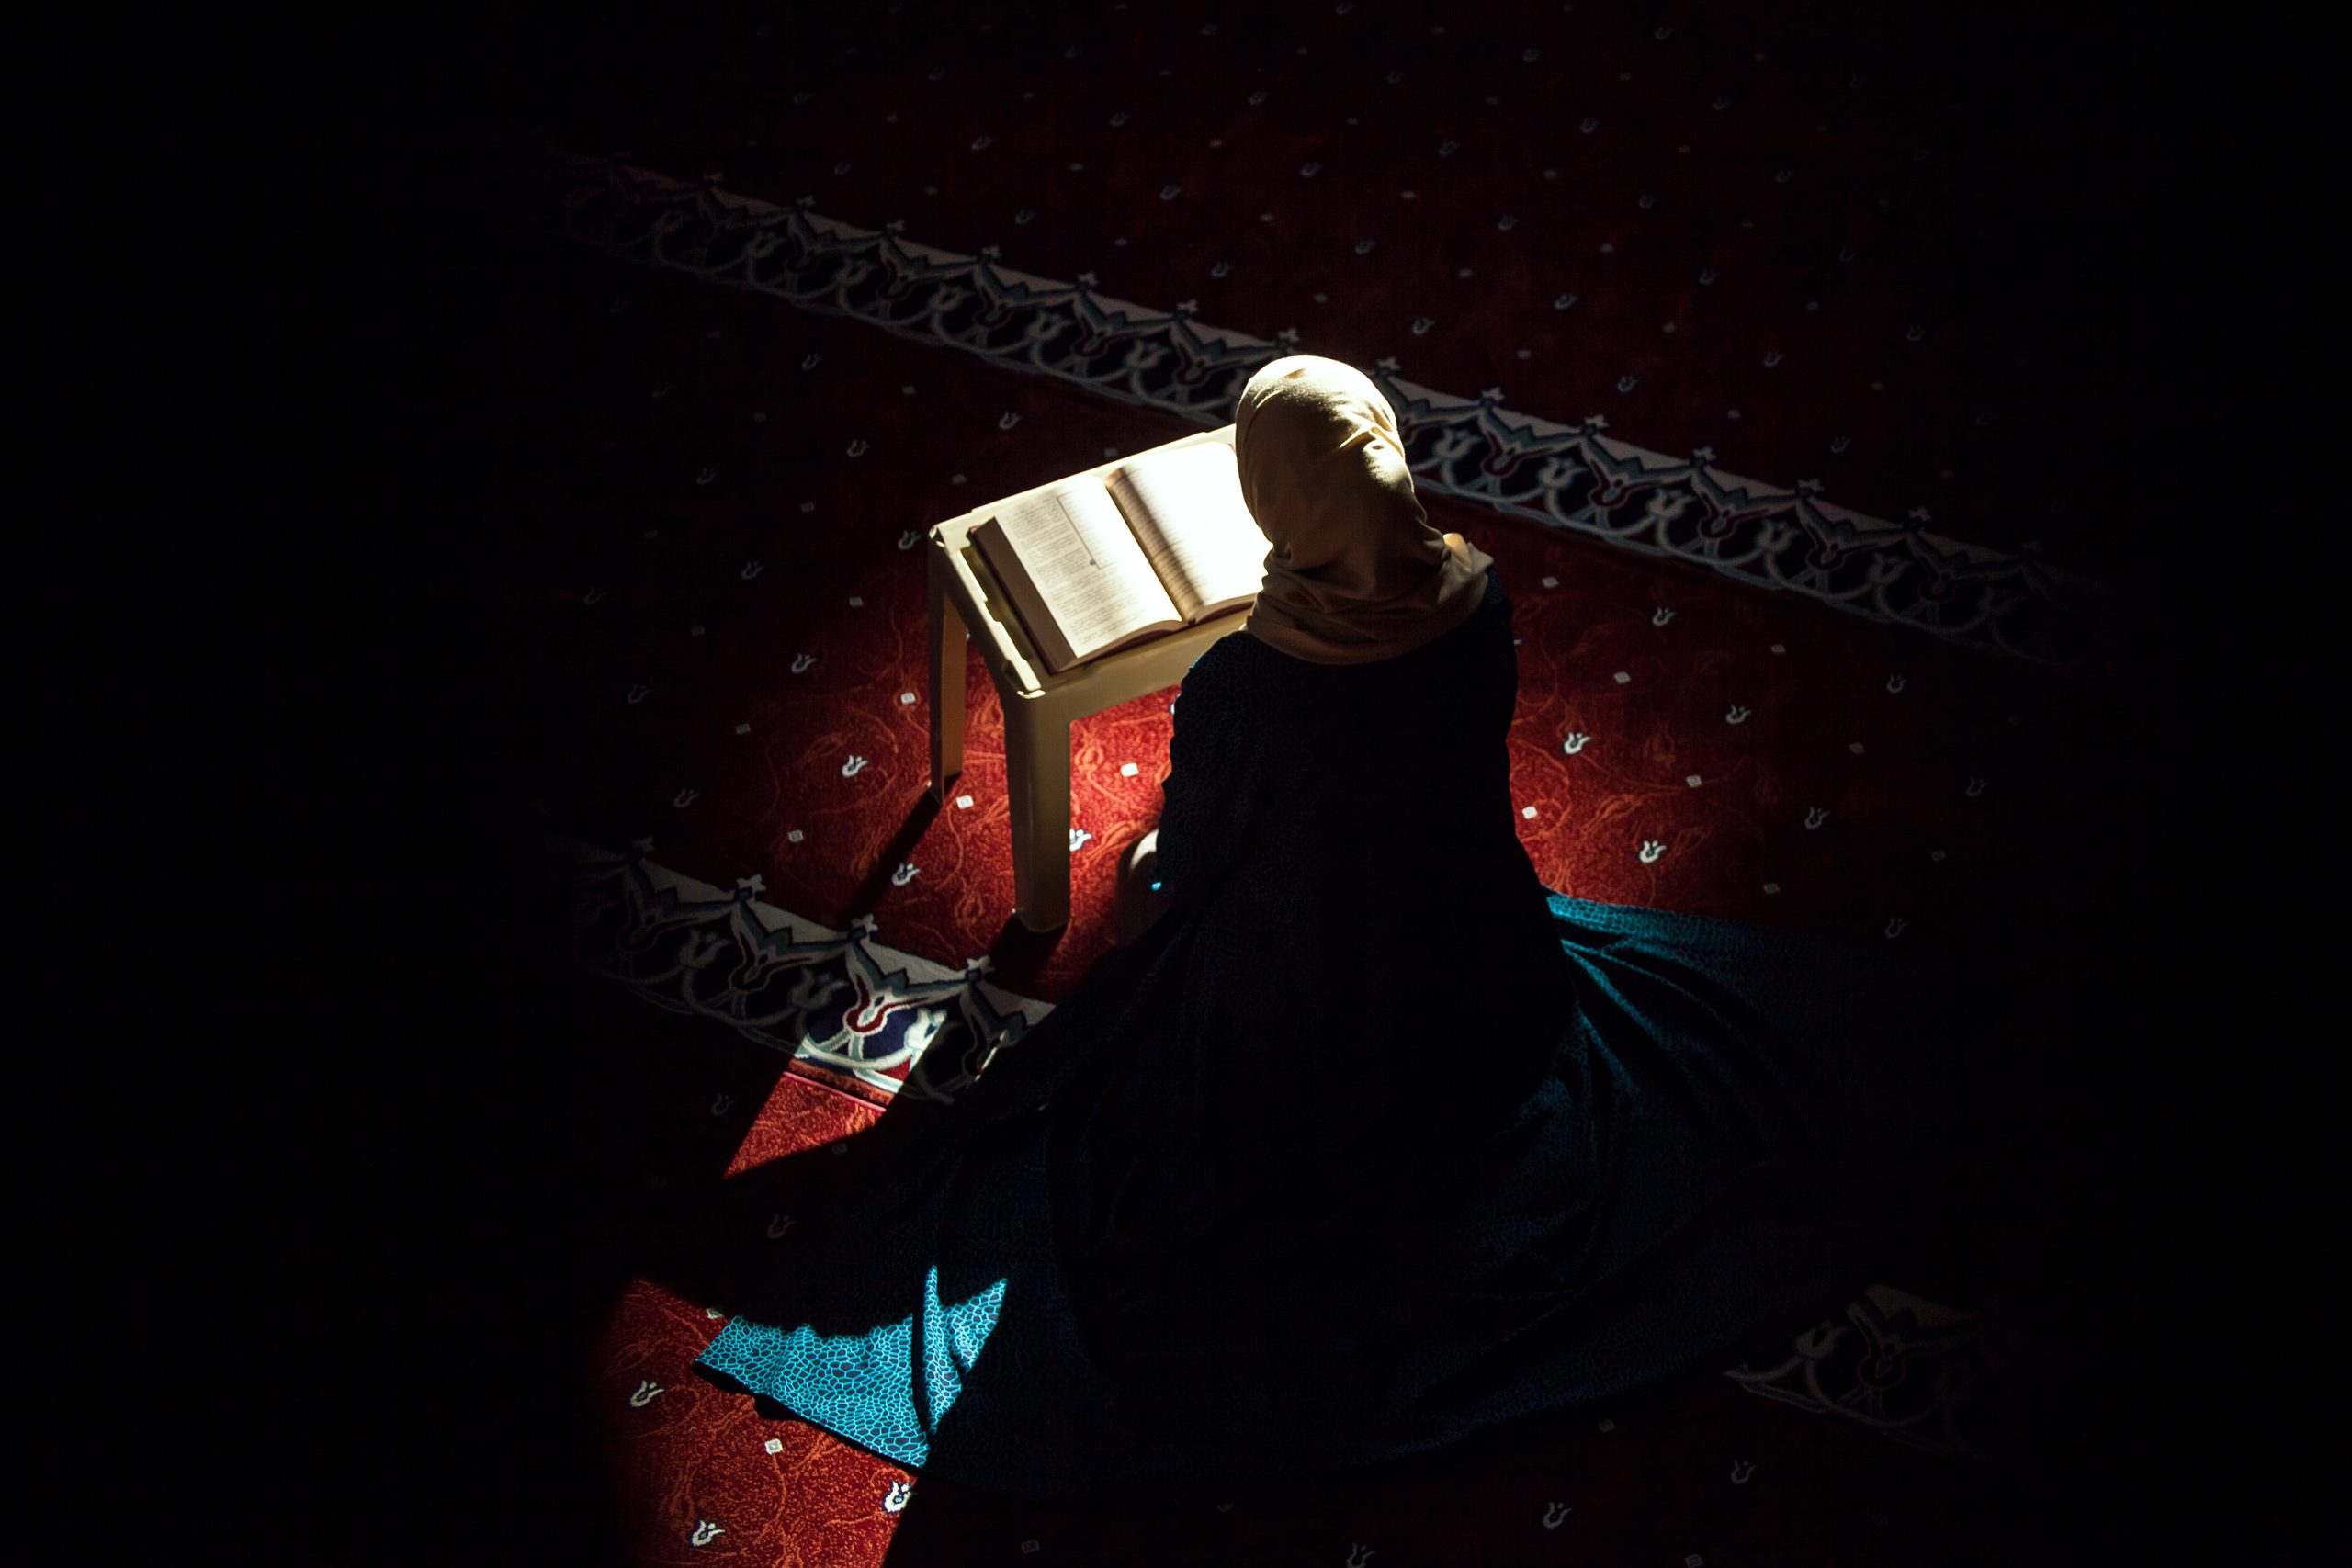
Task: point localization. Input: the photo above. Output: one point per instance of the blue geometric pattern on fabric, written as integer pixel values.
(862, 1386)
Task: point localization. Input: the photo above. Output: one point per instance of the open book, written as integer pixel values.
(1094, 564)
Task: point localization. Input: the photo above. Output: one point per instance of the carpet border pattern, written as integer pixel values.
(847, 1011)
(1574, 476)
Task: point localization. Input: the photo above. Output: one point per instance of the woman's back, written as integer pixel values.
(1368, 1141)
(1346, 835)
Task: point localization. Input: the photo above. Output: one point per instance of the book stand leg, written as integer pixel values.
(1040, 705)
(948, 636)
(1036, 769)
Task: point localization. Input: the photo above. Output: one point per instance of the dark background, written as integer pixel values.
(254, 599)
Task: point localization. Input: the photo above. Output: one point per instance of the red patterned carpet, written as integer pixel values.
(703, 682)
(723, 614)
(710, 614)
(1889, 250)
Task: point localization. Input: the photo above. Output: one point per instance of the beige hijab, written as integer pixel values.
(1356, 573)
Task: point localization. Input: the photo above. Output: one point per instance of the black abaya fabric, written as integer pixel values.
(1370, 1141)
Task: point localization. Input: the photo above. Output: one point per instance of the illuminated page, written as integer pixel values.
(1187, 510)
(1088, 572)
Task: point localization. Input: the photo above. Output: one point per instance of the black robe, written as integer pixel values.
(1370, 1141)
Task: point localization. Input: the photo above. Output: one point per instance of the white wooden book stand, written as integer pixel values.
(968, 604)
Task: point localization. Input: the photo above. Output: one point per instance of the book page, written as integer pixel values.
(1086, 566)
(1020, 595)
(1187, 511)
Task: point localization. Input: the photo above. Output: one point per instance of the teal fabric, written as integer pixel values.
(1372, 1141)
